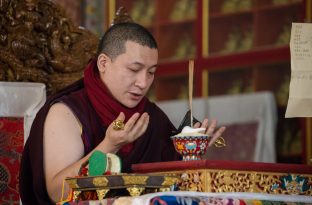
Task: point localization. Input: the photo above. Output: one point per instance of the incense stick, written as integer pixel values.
(191, 74)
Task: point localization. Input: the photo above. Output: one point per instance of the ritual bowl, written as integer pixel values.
(191, 147)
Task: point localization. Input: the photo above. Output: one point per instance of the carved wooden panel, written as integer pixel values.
(38, 43)
(211, 180)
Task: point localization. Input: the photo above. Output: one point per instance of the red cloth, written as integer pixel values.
(104, 103)
(11, 147)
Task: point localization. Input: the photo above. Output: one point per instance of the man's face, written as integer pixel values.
(131, 74)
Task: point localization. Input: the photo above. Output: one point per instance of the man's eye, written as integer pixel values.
(134, 69)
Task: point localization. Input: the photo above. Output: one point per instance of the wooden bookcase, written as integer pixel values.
(239, 46)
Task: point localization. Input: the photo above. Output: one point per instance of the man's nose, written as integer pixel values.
(141, 80)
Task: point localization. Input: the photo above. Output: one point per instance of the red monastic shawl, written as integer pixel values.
(104, 103)
(153, 146)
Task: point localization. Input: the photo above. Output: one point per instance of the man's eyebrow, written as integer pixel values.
(141, 64)
(137, 63)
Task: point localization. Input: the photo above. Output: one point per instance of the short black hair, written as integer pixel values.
(114, 40)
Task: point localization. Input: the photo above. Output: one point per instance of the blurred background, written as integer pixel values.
(239, 46)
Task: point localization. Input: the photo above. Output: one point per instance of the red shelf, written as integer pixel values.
(247, 58)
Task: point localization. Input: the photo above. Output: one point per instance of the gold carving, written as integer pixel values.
(40, 44)
(135, 190)
(228, 181)
(100, 181)
(209, 180)
(164, 189)
(122, 16)
(72, 183)
(169, 181)
(101, 193)
(192, 181)
(132, 179)
(76, 195)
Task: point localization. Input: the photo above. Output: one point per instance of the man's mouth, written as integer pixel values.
(135, 96)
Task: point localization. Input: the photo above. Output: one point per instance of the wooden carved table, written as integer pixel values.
(135, 184)
(235, 176)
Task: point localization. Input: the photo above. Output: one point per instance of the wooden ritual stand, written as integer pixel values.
(235, 176)
(99, 187)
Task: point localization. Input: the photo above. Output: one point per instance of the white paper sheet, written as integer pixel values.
(300, 89)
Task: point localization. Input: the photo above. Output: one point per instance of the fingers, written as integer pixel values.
(197, 125)
(131, 122)
(135, 126)
(121, 117)
(205, 123)
(217, 134)
(212, 127)
(211, 130)
(140, 126)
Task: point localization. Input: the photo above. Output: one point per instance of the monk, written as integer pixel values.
(107, 111)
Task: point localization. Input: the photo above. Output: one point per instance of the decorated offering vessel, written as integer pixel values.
(191, 143)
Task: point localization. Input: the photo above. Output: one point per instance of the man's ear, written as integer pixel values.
(102, 62)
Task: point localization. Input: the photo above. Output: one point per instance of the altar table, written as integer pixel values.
(223, 182)
(234, 176)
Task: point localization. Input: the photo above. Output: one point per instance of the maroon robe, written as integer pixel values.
(154, 146)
